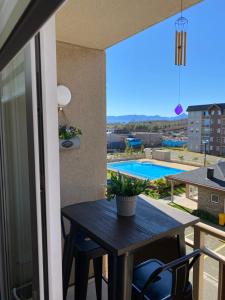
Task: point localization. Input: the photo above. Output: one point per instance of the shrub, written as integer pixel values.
(195, 158)
(181, 157)
(204, 215)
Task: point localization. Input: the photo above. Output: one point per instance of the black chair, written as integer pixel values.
(154, 280)
(84, 251)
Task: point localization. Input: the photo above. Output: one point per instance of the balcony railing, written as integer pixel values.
(200, 231)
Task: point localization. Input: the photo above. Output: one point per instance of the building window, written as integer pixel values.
(215, 198)
(211, 139)
(211, 148)
(218, 140)
(219, 112)
(219, 121)
(218, 130)
(217, 148)
(205, 113)
(212, 112)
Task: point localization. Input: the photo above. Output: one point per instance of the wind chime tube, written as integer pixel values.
(185, 48)
(179, 48)
(176, 49)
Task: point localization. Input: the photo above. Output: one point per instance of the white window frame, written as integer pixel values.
(51, 149)
(215, 195)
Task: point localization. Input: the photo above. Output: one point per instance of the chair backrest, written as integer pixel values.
(180, 269)
(63, 227)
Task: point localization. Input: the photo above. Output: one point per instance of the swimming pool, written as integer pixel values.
(143, 169)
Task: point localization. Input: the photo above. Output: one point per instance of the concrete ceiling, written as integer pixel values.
(100, 24)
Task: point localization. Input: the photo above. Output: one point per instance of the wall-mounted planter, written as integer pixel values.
(73, 143)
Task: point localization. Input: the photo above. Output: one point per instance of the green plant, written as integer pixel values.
(195, 158)
(181, 157)
(122, 185)
(66, 133)
(161, 188)
(153, 193)
(204, 215)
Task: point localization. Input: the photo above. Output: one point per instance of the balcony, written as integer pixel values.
(201, 291)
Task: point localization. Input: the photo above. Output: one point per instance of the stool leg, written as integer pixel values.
(81, 277)
(97, 262)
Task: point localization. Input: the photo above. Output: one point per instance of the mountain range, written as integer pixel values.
(141, 118)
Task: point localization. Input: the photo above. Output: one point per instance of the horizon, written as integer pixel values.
(141, 70)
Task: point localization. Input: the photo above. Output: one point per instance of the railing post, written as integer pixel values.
(198, 269)
(172, 191)
(221, 286)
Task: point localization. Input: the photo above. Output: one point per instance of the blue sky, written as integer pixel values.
(142, 78)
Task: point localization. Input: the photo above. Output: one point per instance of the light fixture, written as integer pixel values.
(63, 96)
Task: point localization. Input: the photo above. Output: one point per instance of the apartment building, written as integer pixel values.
(206, 124)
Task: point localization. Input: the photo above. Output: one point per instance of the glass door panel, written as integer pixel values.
(20, 240)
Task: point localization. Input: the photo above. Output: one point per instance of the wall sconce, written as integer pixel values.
(63, 96)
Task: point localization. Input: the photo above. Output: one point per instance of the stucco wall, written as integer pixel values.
(204, 201)
(83, 171)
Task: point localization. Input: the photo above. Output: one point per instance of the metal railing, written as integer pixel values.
(200, 231)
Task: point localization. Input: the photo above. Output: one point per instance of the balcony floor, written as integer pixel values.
(91, 291)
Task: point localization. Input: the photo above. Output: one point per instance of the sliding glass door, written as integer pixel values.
(24, 237)
(18, 198)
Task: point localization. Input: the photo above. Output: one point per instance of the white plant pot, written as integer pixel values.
(70, 144)
(126, 206)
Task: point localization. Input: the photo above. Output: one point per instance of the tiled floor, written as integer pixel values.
(91, 291)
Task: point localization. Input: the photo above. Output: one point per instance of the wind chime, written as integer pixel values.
(180, 51)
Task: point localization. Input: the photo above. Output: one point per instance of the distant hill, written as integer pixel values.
(142, 118)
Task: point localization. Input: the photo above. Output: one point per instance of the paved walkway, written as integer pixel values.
(186, 202)
(171, 164)
(180, 200)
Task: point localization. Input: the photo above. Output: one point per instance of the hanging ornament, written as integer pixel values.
(181, 39)
(180, 51)
(178, 109)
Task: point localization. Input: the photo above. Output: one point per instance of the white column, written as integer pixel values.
(52, 175)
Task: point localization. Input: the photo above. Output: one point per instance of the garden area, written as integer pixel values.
(161, 188)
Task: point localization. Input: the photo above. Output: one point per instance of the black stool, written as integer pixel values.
(84, 251)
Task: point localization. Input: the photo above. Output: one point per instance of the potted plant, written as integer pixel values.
(69, 137)
(125, 189)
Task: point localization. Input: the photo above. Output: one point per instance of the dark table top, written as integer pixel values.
(152, 221)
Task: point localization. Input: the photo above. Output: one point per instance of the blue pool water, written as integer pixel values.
(143, 169)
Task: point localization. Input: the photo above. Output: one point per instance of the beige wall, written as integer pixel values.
(204, 201)
(83, 171)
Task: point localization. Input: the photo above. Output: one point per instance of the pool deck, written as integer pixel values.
(170, 164)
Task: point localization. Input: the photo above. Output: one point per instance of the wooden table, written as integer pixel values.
(122, 236)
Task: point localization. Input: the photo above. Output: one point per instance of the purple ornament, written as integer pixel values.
(179, 109)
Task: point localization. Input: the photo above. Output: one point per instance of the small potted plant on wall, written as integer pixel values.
(69, 137)
(125, 190)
